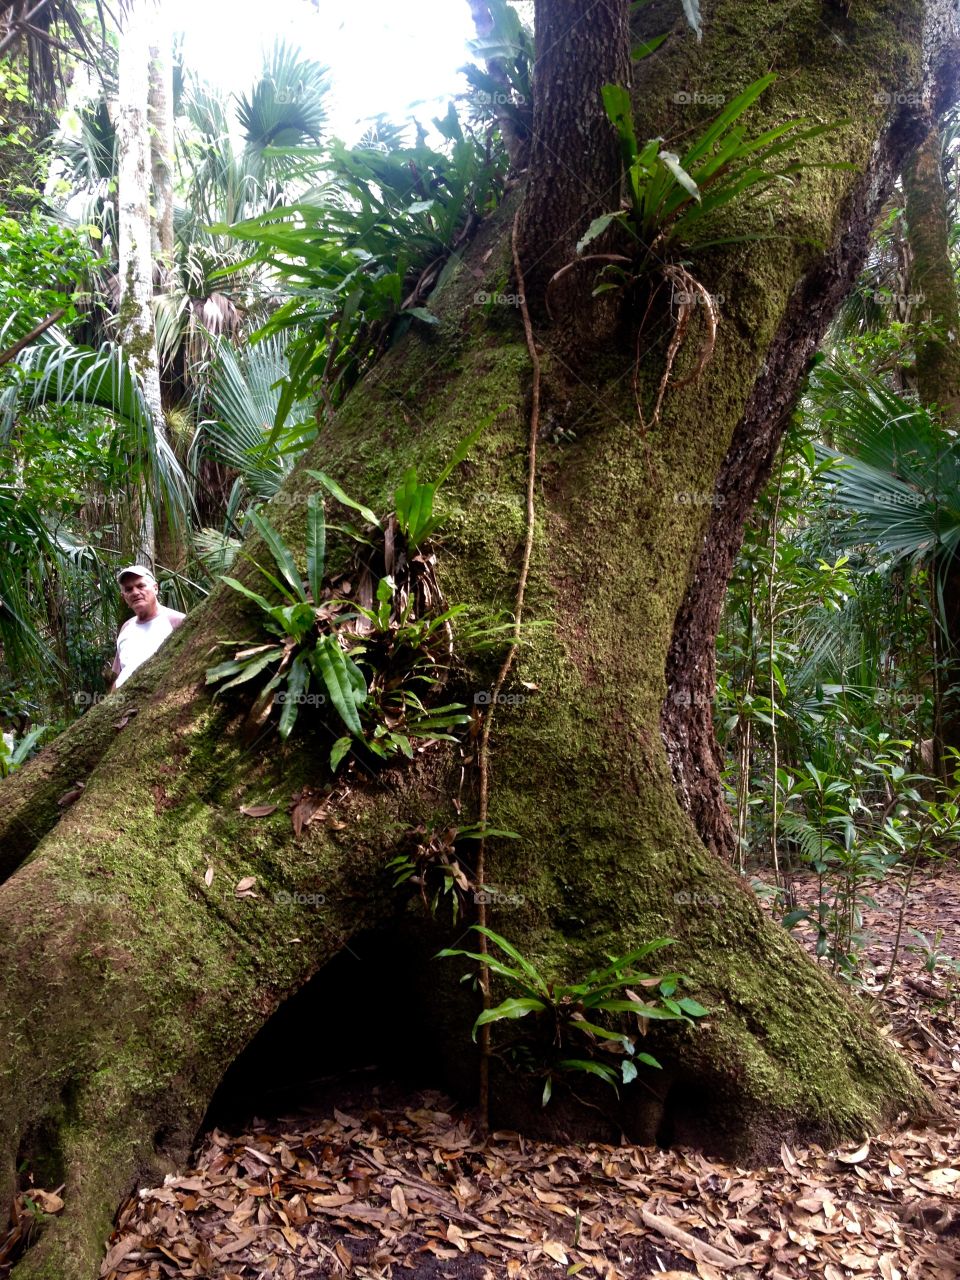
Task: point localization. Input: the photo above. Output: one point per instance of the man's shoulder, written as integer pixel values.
(173, 616)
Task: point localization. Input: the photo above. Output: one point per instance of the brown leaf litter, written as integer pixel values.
(413, 1192)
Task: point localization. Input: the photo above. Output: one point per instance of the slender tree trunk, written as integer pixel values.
(932, 279)
(136, 327)
(136, 982)
(937, 344)
(161, 142)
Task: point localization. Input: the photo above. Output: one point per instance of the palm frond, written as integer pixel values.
(242, 392)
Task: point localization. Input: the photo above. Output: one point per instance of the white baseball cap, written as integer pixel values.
(140, 570)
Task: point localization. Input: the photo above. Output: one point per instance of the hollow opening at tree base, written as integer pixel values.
(382, 1023)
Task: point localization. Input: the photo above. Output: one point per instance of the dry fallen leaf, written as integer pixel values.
(854, 1157)
(258, 810)
(208, 876)
(48, 1201)
(244, 887)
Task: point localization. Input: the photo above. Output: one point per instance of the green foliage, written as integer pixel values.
(502, 87)
(241, 393)
(358, 254)
(932, 957)
(572, 1018)
(371, 650)
(438, 867)
(42, 266)
(13, 753)
(674, 199)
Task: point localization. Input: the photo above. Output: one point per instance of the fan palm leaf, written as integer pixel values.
(56, 371)
(897, 470)
(243, 393)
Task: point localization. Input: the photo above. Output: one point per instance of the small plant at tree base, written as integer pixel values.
(13, 753)
(929, 952)
(568, 1036)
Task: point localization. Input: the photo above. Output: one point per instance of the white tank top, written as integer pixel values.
(139, 641)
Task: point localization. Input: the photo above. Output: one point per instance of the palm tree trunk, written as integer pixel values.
(161, 143)
(136, 328)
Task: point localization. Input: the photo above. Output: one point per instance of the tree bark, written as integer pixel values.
(161, 143)
(136, 331)
(152, 981)
(687, 721)
(937, 329)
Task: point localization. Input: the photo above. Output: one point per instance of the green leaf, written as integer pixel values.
(619, 109)
(672, 163)
(491, 962)
(512, 1008)
(422, 313)
(297, 681)
(514, 954)
(640, 51)
(316, 545)
(597, 228)
(591, 1068)
(281, 554)
(338, 751)
(265, 605)
(623, 962)
(341, 497)
(466, 444)
(693, 1007)
(343, 680)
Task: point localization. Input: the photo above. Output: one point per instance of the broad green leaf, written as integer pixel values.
(332, 487)
(316, 545)
(340, 675)
(644, 50)
(297, 681)
(265, 605)
(284, 561)
(597, 228)
(512, 1008)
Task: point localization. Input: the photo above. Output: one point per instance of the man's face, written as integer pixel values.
(140, 594)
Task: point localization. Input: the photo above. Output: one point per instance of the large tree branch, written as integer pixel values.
(686, 717)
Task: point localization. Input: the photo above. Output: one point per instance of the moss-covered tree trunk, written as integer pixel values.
(130, 983)
(937, 343)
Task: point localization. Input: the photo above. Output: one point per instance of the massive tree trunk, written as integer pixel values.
(130, 984)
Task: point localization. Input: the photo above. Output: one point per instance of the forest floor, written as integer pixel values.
(397, 1185)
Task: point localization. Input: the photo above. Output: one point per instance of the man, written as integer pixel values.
(142, 635)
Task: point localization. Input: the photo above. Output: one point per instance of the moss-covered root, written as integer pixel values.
(30, 799)
(786, 1055)
(103, 1145)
